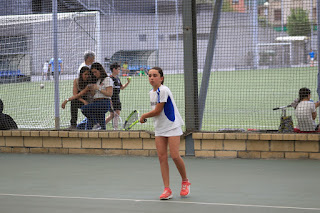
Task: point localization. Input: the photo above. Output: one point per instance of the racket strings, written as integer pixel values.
(132, 119)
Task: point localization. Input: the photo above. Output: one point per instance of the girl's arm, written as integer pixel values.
(75, 91)
(83, 92)
(124, 86)
(314, 115)
(152, 113)
(107, 92)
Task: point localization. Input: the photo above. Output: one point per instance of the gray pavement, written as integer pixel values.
(32, 183)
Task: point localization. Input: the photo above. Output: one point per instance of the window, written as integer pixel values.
(277, 14)
(36, 6)
(143, 37)
(173, 37)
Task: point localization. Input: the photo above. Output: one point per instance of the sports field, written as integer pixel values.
(235, 99)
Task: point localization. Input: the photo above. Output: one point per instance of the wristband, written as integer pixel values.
(67, 99)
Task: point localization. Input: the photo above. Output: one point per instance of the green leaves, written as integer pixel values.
(298, 23)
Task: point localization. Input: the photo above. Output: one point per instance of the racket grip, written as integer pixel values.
(145, 120)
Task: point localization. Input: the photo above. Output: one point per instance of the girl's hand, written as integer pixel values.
(63, 105)
(142, 119)
(92, 87)
(85, 102)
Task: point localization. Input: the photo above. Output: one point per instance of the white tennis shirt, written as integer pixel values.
(169, 118)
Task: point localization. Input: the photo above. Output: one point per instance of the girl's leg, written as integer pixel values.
(102, 109)
(109, 118)
(116, 120)
(89, 112)
(162, 144)
(174, 142)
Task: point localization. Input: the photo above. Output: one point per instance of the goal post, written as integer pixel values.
(77, 32)
(31, 36)
(275, 54)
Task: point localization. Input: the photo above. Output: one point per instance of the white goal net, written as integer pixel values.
(26, 44)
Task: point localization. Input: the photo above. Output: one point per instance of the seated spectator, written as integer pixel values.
(142, 72)
(102, 90)
(6, 122)
(306, 112)
(78, 85)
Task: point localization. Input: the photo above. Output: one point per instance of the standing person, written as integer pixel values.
(167, 124)
(306, 112)
(80, 84)
(45, 71)
(102, 89)
(6, 121)
(125, 69)
(117, 86)
(51, 65)
(89, 58)
(311, 57)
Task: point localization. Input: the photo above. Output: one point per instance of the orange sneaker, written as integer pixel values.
(167, 194)
(185, 188)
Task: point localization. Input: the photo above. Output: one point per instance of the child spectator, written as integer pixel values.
(306, 112)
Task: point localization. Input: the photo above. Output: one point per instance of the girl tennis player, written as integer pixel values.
(167, 122)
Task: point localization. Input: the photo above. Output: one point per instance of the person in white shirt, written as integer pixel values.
(45, 71)
(89, 58)
(167, 123)
(306, 112)
(102, 91)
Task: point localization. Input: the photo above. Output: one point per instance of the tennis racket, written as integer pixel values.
(132, 120)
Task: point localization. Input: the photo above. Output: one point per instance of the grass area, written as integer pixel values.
(235, 99)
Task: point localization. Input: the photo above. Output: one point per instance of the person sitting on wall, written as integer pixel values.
(305, 111)
(6, 122)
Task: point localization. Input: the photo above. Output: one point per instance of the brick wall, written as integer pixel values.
(215, 145)
(65, 142)
(252, 145)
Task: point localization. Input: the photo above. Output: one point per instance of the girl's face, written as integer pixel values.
(85, 75)
(116, 71)
(155, 79)
(96, 73)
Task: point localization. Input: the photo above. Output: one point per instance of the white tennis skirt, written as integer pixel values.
(173, 132)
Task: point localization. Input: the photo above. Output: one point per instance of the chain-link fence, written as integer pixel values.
(257, 64)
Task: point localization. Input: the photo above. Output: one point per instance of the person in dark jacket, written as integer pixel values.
(6, 122)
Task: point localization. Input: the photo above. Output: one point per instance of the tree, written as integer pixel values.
(298, 23)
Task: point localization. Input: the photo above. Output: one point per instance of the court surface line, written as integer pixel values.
(171, 201)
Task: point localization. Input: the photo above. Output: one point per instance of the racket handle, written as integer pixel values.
(145, 120)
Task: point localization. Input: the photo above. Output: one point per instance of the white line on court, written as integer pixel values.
(159, 201)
